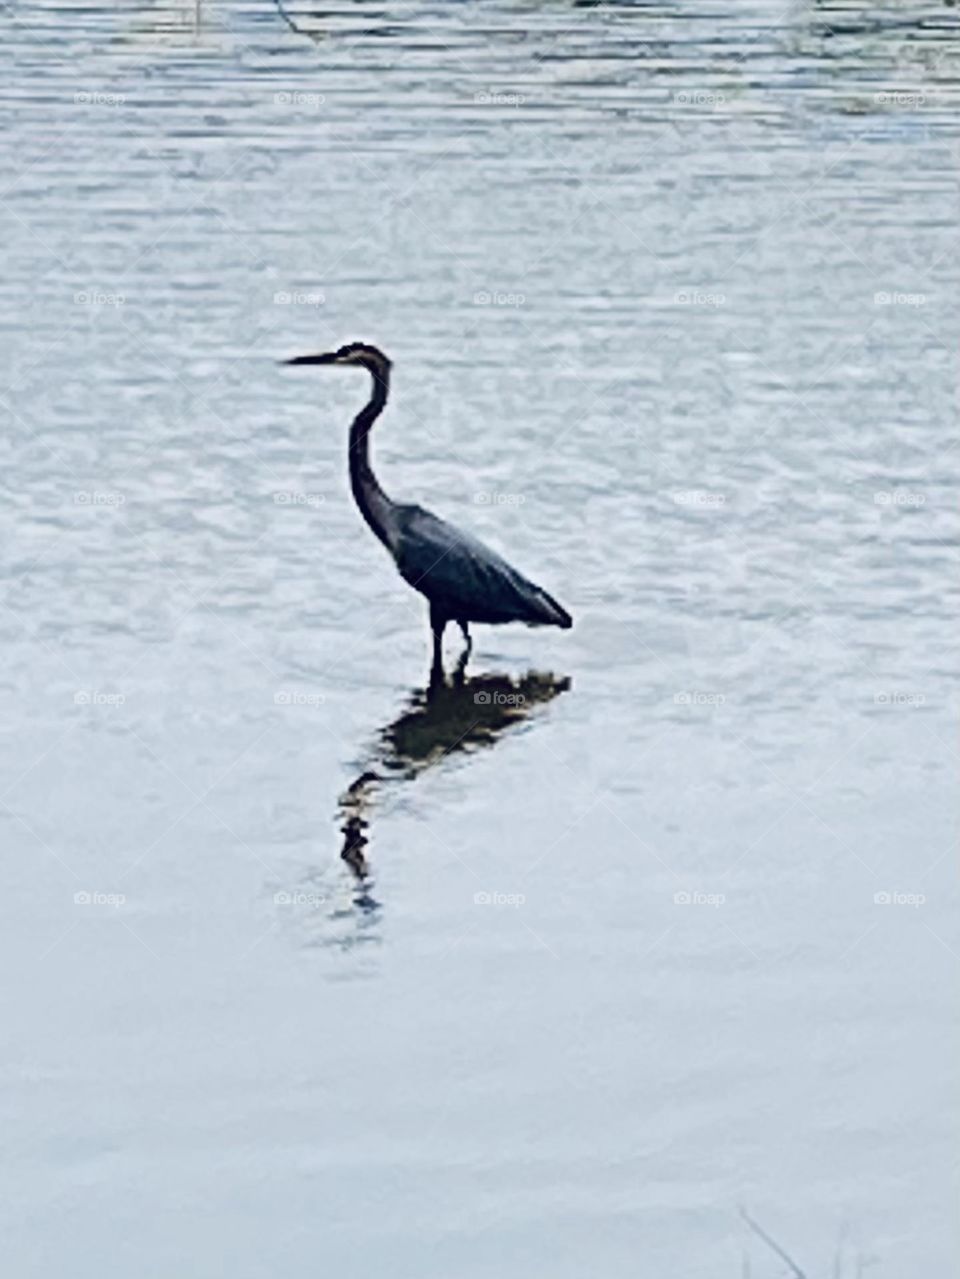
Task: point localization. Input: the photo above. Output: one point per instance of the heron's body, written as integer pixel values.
(463, 580)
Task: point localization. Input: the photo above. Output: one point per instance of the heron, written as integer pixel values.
(463, 580)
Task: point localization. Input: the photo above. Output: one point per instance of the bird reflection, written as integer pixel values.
(447, 717)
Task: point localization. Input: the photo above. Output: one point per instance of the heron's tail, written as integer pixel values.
(552, 613)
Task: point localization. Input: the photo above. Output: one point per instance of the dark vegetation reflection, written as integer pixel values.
(451, 715)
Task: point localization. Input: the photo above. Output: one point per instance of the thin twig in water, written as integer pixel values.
(838, 1266)
(772, 1243)
(293, 25)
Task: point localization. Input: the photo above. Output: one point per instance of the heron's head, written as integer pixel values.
(353, 354)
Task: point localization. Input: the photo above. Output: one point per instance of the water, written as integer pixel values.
(670, 293)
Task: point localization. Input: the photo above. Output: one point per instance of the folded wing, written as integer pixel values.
(464, 578)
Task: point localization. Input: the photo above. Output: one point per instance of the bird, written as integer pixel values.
(463, 580)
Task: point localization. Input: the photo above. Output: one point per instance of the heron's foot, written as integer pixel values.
(438, 678)
(464, 655)
(459, 674)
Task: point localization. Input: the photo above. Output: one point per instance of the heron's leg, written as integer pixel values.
(458, 674)
(437, 624)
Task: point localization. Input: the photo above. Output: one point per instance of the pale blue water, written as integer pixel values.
(670, 295)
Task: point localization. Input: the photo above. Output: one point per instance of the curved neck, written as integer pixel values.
(375, 507)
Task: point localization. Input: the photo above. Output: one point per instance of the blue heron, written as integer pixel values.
(463, 580)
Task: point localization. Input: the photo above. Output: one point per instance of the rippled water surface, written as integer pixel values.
(661, 916)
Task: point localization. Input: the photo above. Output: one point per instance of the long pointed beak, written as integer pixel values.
(329, 358)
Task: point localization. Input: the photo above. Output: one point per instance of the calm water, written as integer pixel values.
(671, 295)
